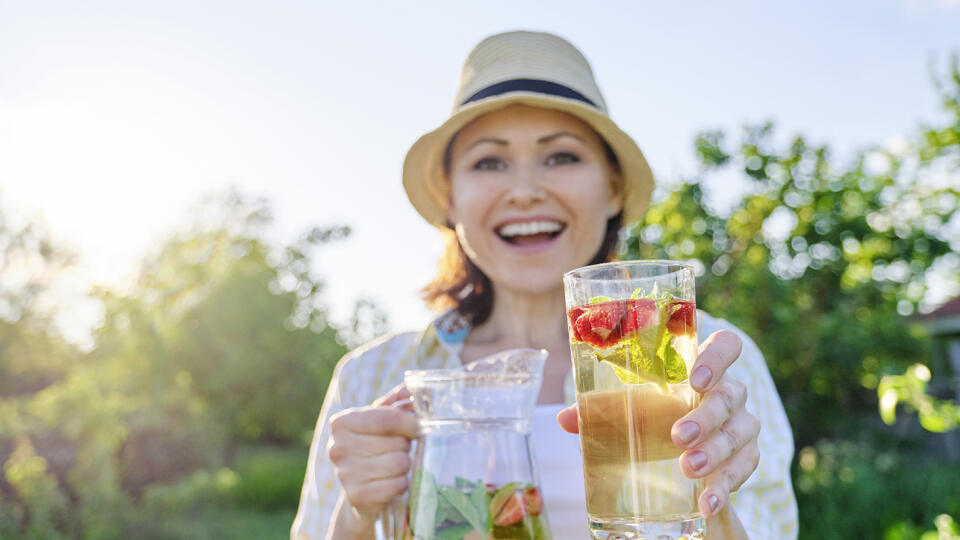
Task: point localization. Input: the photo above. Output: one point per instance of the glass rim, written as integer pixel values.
(683, 266)
(455, 374)
(463, 373)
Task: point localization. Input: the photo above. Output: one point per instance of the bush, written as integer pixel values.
(270, 478)
(200, 489)
(848, 490)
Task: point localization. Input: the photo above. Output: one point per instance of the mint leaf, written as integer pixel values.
(481, 502)
(423, 503)
(453, 532)
(675, 369)
(626, 377)
(464, 506)
(446, 513)
(637, 293)
(598, 299)
(461, 483)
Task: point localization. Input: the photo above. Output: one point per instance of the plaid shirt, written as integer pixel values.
(765, 503)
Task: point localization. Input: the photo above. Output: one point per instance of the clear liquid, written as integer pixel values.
(474, 480)
(631, 468)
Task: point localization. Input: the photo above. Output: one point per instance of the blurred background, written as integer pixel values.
(201, 212)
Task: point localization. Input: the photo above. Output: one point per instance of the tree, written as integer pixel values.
(819, 260)
(222, 339)
(238, 326)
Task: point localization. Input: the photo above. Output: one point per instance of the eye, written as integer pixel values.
(561, 158)
(490, 164)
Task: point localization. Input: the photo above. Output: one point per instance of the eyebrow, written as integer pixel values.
(541, 140)
(548, 138)
(486, 140)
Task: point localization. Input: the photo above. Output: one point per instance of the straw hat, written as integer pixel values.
(532, 68)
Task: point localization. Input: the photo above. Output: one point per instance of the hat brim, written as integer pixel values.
(427, 187)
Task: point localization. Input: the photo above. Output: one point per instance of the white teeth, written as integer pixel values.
(529, 227)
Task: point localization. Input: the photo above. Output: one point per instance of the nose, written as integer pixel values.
(525, 188)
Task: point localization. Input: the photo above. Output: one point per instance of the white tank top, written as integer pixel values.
(560, 467)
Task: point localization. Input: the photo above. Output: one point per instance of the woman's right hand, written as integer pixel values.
(369, 448)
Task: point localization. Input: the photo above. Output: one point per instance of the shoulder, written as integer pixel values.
(384, 349)
(372, 369)
(751, 364)
(708, 324)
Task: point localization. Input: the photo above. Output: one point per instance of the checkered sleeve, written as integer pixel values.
(320, 491)
(765, 503)
(361, 376)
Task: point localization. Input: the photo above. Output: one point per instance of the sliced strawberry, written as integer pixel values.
(587, 335)
(597, 324)
(641, 313)
(605, 318)
(612, 339)
(582, 331)
(511, 512)
(573, 315)
(683, 317)
(533, 500)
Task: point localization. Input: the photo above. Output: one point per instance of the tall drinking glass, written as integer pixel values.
(633, 341)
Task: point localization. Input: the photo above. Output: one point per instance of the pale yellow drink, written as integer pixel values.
(633, 348)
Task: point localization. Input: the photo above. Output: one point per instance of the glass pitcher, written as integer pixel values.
(473, 474)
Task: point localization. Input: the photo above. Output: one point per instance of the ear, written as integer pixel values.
(451, 212)
(615, 197)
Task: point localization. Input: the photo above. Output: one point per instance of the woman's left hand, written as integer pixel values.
(720, 436)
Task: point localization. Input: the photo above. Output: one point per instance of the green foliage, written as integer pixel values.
(818, 260)
(32, 356)
(27, 474)
(213, 523)
(911, 388)
(187, 364)
(849, 490)
(270, 478)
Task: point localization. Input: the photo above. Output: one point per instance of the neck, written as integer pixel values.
(524, 320)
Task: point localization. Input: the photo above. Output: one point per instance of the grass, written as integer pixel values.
(218, 523)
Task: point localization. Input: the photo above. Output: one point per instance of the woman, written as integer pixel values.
(528, 179)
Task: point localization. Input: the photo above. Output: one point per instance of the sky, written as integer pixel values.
(117, 117)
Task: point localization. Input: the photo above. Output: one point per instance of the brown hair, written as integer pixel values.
(460, 285)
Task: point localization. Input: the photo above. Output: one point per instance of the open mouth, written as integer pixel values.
(530, 232)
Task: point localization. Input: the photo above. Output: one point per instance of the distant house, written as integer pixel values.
(944, 326)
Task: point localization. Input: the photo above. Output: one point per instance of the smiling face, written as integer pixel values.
(531, 191)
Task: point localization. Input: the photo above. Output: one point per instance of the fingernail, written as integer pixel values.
(697, 460)
(714, 503)
(700, 377)
(688, 431)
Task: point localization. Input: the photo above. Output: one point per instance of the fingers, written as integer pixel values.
(375, 421)
(361, 445)
(372, 483)
(738, 433)
(397, 393)
(369, 450)
(728, 479)
(567, 419)
(721, 403)
(716, 354)
(383, 466)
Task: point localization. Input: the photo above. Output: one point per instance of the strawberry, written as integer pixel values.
(533, 500)
(511, 512)
(641, 313)
(683, 317)
(582, 331)
(597, 324)
(573, 315)
(605, 318)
